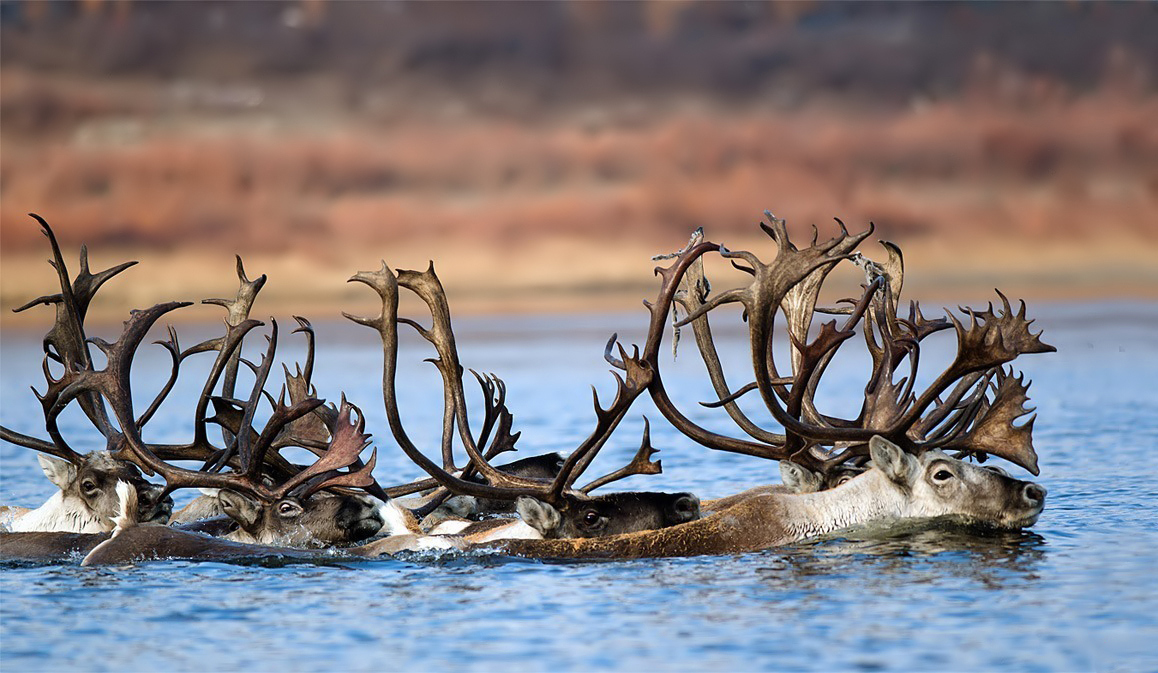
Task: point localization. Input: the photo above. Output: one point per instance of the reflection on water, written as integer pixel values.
(991, 559)
(1074, 593)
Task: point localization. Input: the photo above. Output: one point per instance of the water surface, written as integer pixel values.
(1074, 593)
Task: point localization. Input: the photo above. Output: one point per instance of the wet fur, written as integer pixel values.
(895, 489)
(68, 510)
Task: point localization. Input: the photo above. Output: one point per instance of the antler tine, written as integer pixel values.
(304, 327)
(490, 409)
(385, 284)
(239, 307)
(504, 440)
(237, 313)
(252, 455)
(345, 446)
(173, 347)
(66, 341)
(641, 463)
(495, 412)
(991, 340)
(693, 295)
(19, 439)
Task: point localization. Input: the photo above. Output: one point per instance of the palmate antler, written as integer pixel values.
(106, 395)
(500, 485)
(971, 407)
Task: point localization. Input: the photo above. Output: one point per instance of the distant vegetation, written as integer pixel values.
(557, 53)
(327, 127)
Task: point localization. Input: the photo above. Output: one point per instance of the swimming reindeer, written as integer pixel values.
(270, 499)
(551, 508)
(87, 501)
(969, 408)
(901, 457)
(899, 486)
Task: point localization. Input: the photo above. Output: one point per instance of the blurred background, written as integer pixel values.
(541, 152)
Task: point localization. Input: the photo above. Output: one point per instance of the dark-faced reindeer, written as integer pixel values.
(271, 499)
(969, 409)
(459, 510)
(553, 508)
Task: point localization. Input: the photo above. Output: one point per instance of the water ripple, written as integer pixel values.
(1075, 593)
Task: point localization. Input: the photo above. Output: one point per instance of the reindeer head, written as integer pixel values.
(88, 500)
(580, 515)
(936, 485)
(298, 511)
(317, 520)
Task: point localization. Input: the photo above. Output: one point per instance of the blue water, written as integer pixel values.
(1077, 592)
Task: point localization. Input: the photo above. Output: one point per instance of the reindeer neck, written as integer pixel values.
(61, 514)
(867, 499)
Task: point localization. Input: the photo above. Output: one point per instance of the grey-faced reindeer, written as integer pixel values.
(552, 508)
(271, 499)
(87, 501)
(968, 409)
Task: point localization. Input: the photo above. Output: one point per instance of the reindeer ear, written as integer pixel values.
(892, 460)
(60, 472)
(540, 516)
(798, 479)
(241, 509)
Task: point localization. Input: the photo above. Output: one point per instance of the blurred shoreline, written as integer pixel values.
(540, 153)
(568, 276)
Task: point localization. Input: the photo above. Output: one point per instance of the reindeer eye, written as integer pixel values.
(88, 485)
(286, 509)
(943, 475)
(591, 517)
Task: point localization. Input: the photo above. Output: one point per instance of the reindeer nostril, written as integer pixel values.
(1034, 493)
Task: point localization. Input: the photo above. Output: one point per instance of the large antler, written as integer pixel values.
(250, 450)
(66, 342)
(970, 407)
(499, 484)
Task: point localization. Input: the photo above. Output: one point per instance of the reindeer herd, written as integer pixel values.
(908, 453)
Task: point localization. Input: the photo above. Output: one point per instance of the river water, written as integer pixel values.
(1077, 592)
